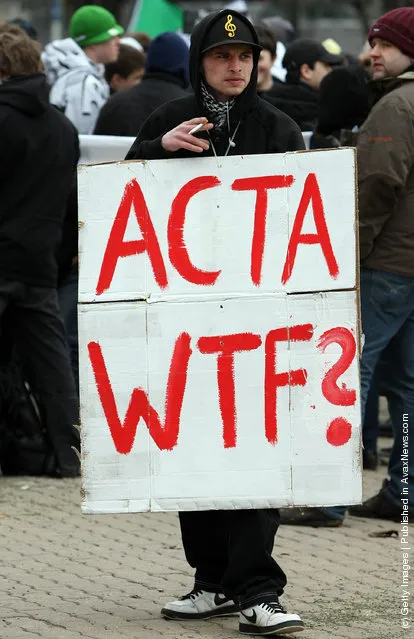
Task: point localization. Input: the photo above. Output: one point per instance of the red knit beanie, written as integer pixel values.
(397, 27)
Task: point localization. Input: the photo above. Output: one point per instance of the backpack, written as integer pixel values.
(24, 445)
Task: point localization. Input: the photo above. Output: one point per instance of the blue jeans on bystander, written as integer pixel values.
(387, 315)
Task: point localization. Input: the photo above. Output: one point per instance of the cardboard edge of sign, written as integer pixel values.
(130, 506)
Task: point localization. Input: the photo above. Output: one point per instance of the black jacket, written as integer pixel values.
(299, 101)
(126, 111)
(272, 92)
(39, 151)
(260, 127)
(344, 100)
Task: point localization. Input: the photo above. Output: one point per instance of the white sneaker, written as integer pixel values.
(200, 604)
(268, 619)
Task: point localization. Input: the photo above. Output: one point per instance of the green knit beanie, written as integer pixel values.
(92, 24)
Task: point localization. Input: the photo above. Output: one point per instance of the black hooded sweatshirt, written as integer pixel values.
(344, 100)
(39, 151)
(126, 111)
(299, 101)
(262, 128)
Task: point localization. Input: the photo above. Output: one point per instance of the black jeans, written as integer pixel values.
(231, 552)
(68, 304)
(32, 316)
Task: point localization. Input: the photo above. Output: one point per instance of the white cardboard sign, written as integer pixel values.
(243, 225)
(232, 393)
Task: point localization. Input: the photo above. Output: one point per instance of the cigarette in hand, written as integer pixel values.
(196, 128)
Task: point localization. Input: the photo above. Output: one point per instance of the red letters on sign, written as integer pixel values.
(339, 431)
(261, 186)
(274, 380)
(226, 346)
(330, 389)
(123, 434)
(117, 247)
(311, 195)
(177, 249)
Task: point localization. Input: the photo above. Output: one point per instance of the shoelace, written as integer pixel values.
(272, 607)
(193, 594)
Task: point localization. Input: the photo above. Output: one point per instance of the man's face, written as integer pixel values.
(107, 52)
(314, 76)
(387, 60)
(264, 76)
(227, 69)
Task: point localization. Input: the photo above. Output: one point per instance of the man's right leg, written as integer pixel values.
(205, 540)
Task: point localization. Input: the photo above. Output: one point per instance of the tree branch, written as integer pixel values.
(360, 7)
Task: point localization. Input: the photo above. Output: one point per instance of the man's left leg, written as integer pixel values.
(251, 569)
(253, 578)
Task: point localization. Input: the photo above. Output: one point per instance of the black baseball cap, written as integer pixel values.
(307, 51)
(230, 28)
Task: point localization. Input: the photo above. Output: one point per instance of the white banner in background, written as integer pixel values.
(103, 148)
(111, 148)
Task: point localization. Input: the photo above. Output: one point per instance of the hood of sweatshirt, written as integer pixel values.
(247, 99)
(28, 94)
(65, 56)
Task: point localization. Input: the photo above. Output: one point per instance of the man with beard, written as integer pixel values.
(385, 149)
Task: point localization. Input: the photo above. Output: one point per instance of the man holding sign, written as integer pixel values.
(230, 550)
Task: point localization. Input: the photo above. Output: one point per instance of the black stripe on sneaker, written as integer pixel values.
(284, 628)
(223, 611)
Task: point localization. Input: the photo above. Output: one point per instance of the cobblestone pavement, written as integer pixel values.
(65, 575)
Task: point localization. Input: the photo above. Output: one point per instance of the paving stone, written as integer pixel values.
(70, 576)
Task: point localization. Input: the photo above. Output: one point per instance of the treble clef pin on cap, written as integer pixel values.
(230, 27)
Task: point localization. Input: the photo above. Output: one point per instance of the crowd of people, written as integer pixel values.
(100, 80)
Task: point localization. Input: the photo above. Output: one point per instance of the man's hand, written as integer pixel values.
(180, 137)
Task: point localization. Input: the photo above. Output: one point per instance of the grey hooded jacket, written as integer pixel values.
(78, 87)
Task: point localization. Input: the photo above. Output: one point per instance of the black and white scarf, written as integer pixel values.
(217, 111)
